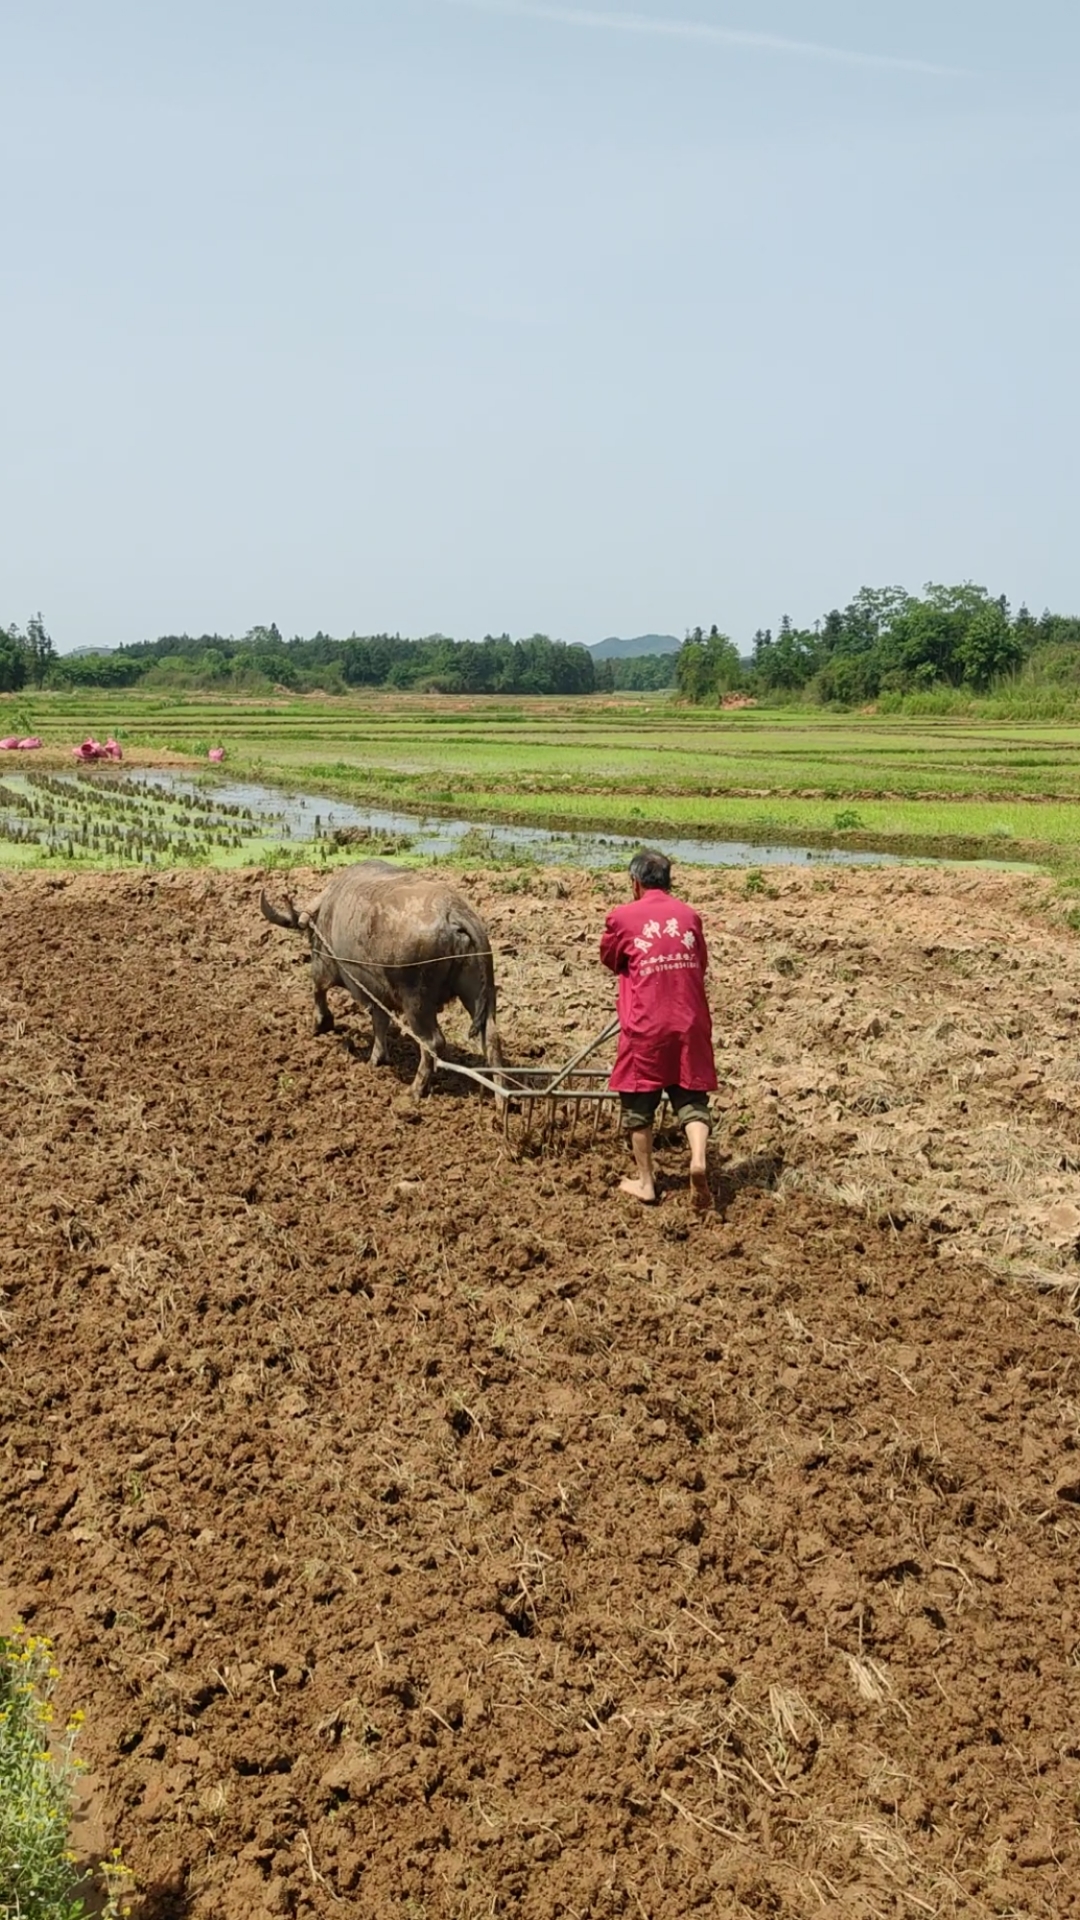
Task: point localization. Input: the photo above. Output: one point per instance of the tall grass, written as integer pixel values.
(1020, 701)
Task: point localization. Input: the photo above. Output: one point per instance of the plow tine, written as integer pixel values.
(549, 1103)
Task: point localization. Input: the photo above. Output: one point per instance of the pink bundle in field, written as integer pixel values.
(90, 750)
(9, 745)
(113, 749)
(216, 753)
(28, 745)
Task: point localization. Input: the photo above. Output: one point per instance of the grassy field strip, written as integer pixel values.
(624, 710)
(1016, 824)
(607, 767)
(642, 746)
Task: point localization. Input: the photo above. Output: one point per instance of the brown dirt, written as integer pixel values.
(52, 758)
(425, 1531)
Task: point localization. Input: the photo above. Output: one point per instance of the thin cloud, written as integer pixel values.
(701, 31)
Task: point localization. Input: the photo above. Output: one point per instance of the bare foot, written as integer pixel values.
(700, 1194)
(639, 1190)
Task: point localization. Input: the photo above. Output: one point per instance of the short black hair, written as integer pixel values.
(651, 869)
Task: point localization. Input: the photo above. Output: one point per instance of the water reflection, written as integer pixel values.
(312, 817)
(159, 817)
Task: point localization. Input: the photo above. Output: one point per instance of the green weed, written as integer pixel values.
(277, 859)
(39, 1878)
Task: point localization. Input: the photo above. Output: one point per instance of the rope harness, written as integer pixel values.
(358, 962)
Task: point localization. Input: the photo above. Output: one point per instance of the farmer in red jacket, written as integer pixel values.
(656, 948)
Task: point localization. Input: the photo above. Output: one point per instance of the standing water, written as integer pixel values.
(159, 818)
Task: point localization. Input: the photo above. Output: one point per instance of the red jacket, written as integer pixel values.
(656, 947)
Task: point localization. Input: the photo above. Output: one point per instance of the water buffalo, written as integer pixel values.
(400, 942)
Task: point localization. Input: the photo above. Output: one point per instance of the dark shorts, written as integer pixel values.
(639, 1109)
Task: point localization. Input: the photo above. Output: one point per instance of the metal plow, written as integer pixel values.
(549, 1109)
(552, 1108)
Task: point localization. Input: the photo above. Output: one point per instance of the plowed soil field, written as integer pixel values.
(428, 1531)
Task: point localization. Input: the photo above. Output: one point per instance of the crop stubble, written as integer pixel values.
(426, 1533)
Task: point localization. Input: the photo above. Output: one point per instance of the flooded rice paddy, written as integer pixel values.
(159, 818)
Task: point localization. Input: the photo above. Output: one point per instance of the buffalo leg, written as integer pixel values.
(432, 1042)
(323, 977)
(380, 1048)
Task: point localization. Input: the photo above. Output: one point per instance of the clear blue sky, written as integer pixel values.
(443, 314)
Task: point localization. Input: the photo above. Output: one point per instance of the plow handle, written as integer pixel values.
(612, 1027)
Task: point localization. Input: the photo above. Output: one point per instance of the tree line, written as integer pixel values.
(886, 641)
(262, 660)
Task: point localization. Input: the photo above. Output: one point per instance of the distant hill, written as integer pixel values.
(613, 649)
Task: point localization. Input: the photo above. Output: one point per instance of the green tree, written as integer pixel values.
(94, 670)
(707, 666)
(871, 613)
(692, 670)
(989, 647)
(642, 673)
(264, 639)
(849, 679)
(789, 661)
(12, 660)
(926, 641)
(40, 651)
(535, 664)
(725, 666)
